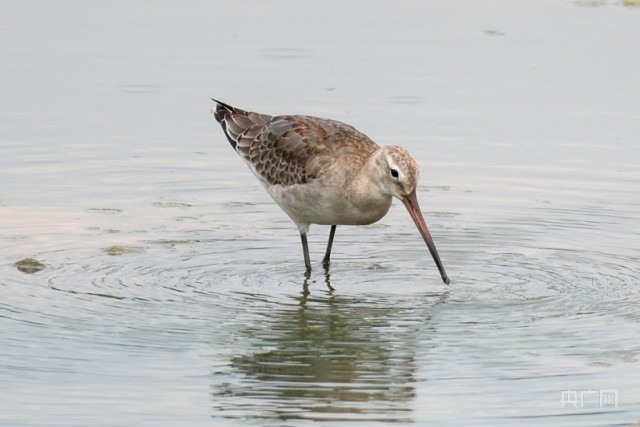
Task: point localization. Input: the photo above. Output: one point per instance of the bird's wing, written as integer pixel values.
(288, 150)
(236, 122)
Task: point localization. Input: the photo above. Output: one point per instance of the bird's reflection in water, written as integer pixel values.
(329, 357)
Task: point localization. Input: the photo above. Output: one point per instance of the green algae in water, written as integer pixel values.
(122, 250)
(30, 265)
(105, 211)
(170, 242)
(171, 205)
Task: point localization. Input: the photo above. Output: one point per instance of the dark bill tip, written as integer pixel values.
(411, 203)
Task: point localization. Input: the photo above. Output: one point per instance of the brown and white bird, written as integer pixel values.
(324, 172)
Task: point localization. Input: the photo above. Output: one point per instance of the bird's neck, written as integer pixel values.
(369, 194)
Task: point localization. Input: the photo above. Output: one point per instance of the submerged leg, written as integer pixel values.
(327, 254)
(305, 251)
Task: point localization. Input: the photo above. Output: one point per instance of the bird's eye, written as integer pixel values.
(394, 173)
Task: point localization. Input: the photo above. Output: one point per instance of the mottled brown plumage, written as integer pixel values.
(322, 171)
(288, 150)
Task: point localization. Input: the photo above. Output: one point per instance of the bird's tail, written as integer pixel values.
(236, 122)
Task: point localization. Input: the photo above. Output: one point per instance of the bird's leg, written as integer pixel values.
(327, 254)
(305, 251)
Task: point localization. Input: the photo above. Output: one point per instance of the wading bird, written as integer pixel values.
(324, 172)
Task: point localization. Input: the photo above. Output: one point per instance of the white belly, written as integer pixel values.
(306, 204)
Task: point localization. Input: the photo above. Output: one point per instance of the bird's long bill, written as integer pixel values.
(411, 203)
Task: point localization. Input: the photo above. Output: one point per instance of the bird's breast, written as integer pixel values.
(329, 205)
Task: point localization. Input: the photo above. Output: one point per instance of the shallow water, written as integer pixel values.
(173, 290)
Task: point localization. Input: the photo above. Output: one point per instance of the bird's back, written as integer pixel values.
(291, 149)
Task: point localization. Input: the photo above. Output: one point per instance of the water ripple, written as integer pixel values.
(369, 339)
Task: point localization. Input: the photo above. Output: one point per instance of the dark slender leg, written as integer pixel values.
(327, 254)
(305, 251)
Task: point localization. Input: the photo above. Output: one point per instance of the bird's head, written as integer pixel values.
(399, 177)
(400, 173)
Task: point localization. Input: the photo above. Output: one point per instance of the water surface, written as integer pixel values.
(172, 290)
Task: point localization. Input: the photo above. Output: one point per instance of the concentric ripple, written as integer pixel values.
(192, 295)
